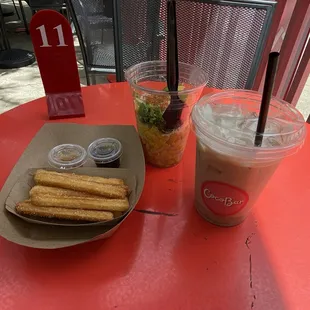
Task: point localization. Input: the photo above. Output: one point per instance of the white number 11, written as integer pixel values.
(45, 40)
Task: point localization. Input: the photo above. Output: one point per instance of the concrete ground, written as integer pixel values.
(21, 85)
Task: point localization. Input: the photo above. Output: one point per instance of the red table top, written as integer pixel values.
(170, 261)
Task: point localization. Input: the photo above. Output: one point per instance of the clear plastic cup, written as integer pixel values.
(231, 172)
(67, 156)
(163, 145)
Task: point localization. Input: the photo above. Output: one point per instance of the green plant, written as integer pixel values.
(150, 114)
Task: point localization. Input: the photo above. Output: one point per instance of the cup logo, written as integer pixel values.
(223, 199)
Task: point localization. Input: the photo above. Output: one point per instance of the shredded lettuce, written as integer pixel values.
(150, 114)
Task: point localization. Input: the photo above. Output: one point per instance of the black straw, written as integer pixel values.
(267, 93)
(173, 112)
(172, 48)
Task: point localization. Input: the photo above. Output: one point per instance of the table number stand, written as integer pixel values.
(52, 39)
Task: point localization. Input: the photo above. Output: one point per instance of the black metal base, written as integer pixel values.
(16, 58)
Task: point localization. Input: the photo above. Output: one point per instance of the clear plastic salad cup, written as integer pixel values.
(162, 142)
(231, 172)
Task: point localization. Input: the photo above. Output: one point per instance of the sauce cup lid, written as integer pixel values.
(67, 156)
(105, 150)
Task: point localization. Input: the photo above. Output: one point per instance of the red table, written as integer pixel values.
(175, 260)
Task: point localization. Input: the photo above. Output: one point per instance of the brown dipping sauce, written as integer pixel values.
(114, 164)
(106, 152)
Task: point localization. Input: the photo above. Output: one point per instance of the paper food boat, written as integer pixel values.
(51, 234)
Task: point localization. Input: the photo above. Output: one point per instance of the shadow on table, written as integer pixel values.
(227, 267)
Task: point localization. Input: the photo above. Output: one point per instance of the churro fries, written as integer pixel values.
(85, 203)
(58, 192)
(75, 197)
(111, 181)
(48, 178)
(28, 208)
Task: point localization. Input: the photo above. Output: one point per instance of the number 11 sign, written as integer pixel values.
(52, 39)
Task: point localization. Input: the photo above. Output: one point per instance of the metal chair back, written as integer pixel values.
(226, 38)
(45, 4)
(93, 23)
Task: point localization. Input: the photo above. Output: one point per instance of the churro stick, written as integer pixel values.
(59, 192)
(61, 213)
(111, 181)
(85, 203)
(57, 180)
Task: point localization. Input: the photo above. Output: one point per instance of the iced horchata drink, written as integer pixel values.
(163, 146)
(230, 171)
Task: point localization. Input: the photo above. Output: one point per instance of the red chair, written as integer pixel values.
(289, 35)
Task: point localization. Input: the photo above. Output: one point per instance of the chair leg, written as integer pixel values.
(93, 79)
(63, 12)
(87, 76)
(23, 15)
(68, 15)
(16, 11)
(5, 39)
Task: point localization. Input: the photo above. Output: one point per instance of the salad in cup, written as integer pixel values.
(163, 146)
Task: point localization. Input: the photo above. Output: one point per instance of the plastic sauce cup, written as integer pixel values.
(106, 152)
(67, 156)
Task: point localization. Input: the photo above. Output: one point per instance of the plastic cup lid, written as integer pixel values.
(105, 150)
(67, 156)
